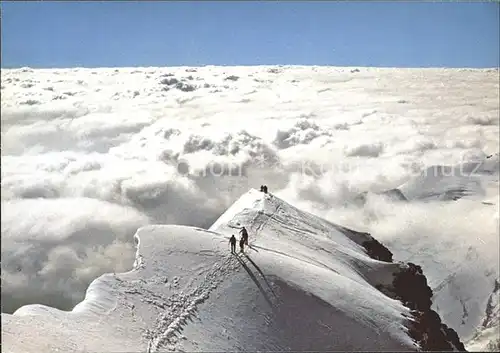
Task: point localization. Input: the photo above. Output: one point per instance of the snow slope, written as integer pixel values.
(301, 285)
(444, 182)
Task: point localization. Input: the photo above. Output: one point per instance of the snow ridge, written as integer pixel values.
(427, 329)
(302, 284)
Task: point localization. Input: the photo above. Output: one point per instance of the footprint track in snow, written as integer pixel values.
(182, 306)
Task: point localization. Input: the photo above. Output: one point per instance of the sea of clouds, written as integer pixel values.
(90, 155)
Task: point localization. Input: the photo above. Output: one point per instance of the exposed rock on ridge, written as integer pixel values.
(410, 287)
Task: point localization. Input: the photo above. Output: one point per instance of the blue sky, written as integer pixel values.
(160, 33)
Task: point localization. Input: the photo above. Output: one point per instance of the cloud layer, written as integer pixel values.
(90, 155)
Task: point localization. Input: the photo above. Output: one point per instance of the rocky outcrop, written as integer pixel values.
(377, 251)
(410, 287)
(372, 246)
(395, 195)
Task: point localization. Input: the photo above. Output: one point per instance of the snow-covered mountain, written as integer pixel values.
(409, 156)
(462, 270)
(302, 284)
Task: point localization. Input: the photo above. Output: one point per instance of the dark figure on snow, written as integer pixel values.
(232, 241)
(264, 188)
(242, 244)
(244, 235)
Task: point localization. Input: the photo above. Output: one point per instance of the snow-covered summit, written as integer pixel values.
(303, 284)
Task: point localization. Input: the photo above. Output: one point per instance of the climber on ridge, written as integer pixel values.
(232, 241)
(244, 235)
(242, 244)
